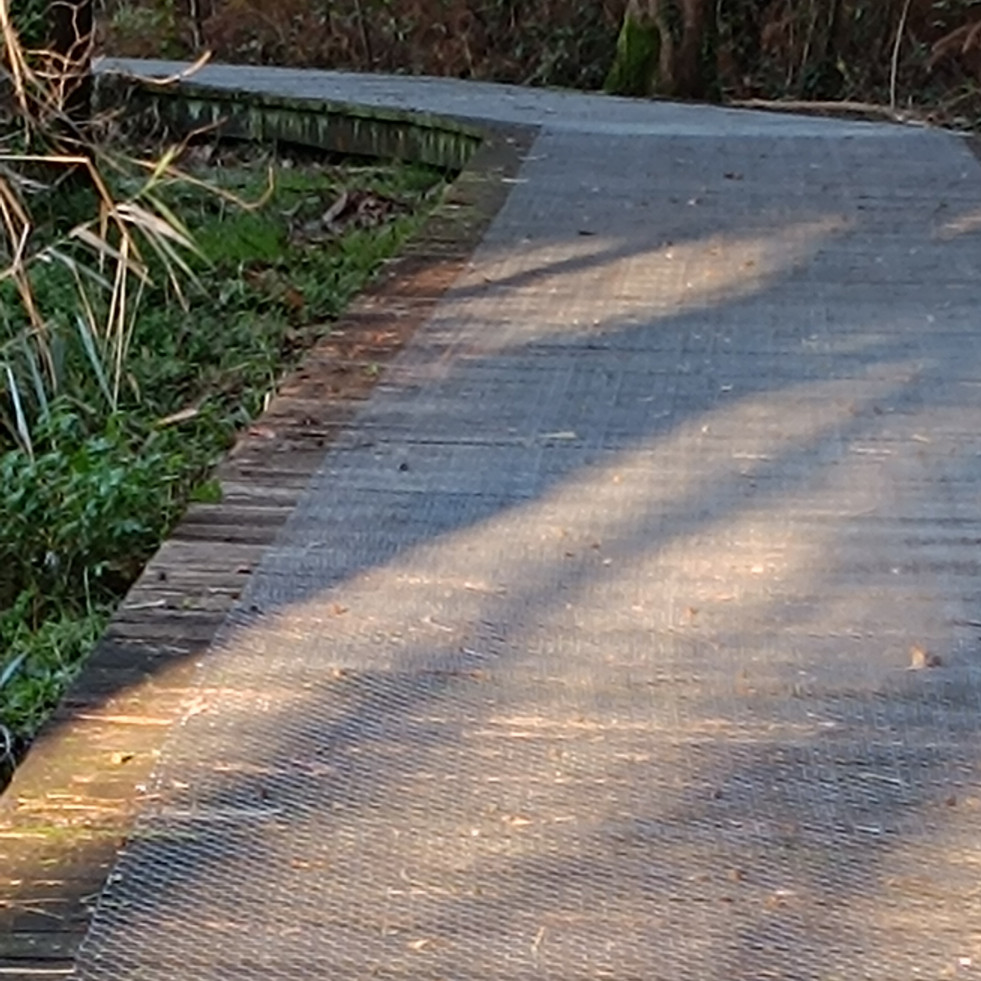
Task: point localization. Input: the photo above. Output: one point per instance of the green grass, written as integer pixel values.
(82, 514)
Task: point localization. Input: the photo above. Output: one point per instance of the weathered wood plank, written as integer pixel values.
(39, 946)
(35, 970)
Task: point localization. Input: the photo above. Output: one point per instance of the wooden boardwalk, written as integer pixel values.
(626, 629)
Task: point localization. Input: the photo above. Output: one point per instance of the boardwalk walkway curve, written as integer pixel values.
(631, 630)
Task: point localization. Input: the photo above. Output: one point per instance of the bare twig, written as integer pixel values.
(184, 73)
(894, 69)
(869, 109)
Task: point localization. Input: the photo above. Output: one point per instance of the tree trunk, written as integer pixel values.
(635, 67)
(695, 66)
(71, 48)
(667, 48)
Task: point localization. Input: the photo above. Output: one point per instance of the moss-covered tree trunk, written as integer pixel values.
(635, 66)
(667, 48)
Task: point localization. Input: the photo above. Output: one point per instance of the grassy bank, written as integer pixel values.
(122, 447)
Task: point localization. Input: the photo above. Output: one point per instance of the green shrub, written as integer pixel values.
(30, 18)
(81, 515)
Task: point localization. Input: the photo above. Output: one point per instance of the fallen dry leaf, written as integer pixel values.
(920, 658)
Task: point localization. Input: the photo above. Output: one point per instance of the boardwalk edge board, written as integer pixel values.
(70, 805)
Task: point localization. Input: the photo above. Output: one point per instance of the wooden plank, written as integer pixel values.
(54, 861)
(228, 534)
(167, 630)
(36, 970)
(39, 946)
(174, 552)
(224, 514)
(187, 592)
(37, 914)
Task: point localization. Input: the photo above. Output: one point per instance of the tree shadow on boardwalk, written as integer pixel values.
(586, 655)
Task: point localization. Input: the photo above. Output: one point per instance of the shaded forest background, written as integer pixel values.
(924, 53)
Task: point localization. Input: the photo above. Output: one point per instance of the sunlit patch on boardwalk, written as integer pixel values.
(591, 650)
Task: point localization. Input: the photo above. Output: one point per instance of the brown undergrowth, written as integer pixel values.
(922, 55)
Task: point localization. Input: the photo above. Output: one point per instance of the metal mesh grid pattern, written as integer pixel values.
(587, 654)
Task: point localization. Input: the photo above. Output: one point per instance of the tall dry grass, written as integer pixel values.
(83, 230)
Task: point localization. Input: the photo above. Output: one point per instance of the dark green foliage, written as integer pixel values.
(78, 518)
(33, 679)
(31, 18)
(708, 60)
